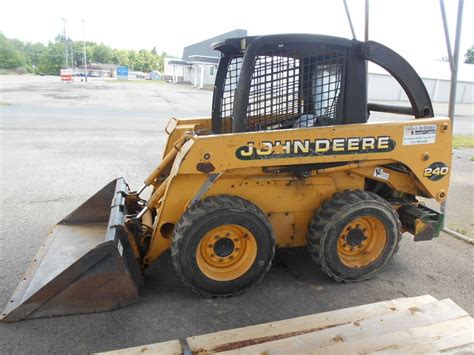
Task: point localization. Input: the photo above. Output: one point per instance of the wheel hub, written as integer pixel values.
(224, 247)
(226, 252)
(355, 237)
(361, 242)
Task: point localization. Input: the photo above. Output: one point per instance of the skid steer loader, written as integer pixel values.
(287, 159)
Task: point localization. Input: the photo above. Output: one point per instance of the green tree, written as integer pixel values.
(469, 56)
(101, 53)
(52, 59)
(132, 60)
(78, 54)
(120, 57)
(10, 56)
(34, 52)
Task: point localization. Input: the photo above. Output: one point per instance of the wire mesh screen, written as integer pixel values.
(274, 91)
(230, 85)
(325, 86)
(288, 90)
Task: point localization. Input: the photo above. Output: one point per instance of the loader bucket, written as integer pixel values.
(85, 265)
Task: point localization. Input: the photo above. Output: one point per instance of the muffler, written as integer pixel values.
(85, 265)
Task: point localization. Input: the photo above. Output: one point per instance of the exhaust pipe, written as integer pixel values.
(85, 265)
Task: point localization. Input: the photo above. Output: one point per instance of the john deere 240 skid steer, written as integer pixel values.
(287, 159)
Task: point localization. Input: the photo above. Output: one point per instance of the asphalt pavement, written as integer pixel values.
(59, 149)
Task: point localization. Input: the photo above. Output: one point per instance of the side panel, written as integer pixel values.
(288, 202)
(249, 165)
(291, 204)
(420, 145)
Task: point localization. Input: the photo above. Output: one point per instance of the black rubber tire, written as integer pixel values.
(202, 217)
(328, 222)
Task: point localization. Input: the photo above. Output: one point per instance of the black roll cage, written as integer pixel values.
(355, 104)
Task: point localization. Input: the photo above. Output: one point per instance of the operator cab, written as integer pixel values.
(300, 80)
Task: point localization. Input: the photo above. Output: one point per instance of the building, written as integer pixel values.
(97, 70)
(436, 77)
(198, 65)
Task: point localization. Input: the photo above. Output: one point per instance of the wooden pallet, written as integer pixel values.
(405, 325)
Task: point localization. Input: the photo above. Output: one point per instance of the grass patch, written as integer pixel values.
(455, 228)
(463, 141)
(4, 103)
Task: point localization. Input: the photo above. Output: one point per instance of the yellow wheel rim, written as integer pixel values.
(362, 242)
(226, 252)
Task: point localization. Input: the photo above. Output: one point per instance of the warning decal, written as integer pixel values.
(381, 174)
(424, 134)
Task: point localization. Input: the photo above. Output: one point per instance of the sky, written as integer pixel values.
(413, 28)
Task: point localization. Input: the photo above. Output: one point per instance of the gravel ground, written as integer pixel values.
(62, 142)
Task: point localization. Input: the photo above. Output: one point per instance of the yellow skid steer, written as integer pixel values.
(287, 159)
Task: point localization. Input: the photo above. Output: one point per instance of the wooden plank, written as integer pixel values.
(440, 337)
(449, 336)
(415, 316)
(399, 343)
(402, 347)
(461, 350)
(280, 329)
(172, 347)
(236, 338)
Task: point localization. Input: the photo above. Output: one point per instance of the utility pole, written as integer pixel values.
(72, 53)
(366, 37)
(454, 66)
(348, 14)
(453, 57)
(84, 49)
(65, 42)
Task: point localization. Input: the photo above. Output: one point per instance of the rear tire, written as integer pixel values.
(354, 235)
(222, 246)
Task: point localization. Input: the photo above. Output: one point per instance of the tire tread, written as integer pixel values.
(198, 210)
(322, 221)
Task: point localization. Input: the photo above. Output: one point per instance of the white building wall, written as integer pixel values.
(385, 87)
(170, 70)
(201, 74)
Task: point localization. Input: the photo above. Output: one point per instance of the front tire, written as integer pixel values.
(222, 246)
(354, 235)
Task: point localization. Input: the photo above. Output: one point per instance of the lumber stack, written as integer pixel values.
(405, 325)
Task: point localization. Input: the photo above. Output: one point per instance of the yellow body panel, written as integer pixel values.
(249, 165)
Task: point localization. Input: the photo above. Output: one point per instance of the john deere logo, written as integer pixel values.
(309, 147)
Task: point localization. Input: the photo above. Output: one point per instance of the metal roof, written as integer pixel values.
(204, 48)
